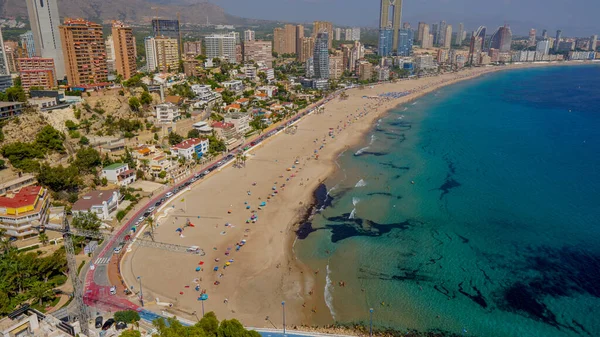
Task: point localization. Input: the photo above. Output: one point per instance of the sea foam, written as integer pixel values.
(329, 293)
(361, 183)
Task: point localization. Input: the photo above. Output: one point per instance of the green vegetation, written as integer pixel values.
(183, 90)
(130, 333)
(208, 326)
(134, 104)
(86, 221)
(215, 145)
(27, 276)
(175, 138)
(127, 316)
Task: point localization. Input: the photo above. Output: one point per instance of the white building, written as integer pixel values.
(44, 20)
(338, 34)
(167, 113)
(101, 203)
(543, 47)
(205, 95)
(424, 62)
(151, 61)
(240, 120)
(356, 34)
(250, 71)
(221, 46)
(270, 73)
(383, 73)
(236, 86)
(348, 35)
(119, 173)
(191, 148)
(249, 35)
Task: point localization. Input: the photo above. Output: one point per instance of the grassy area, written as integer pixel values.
(34, 247)
(80, 266)
(47, 304)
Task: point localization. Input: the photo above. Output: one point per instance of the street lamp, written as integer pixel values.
(371, 322)
(283, 308)
(141, 293)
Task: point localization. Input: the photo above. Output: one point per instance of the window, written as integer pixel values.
(41, 3)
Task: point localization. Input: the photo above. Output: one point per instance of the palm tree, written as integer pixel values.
(244, 158)
(40, 291)
(43, 237)
(150, 221)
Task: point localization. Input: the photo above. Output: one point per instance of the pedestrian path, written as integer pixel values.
(103, 260)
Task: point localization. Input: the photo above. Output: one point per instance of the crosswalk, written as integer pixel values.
(103, 260)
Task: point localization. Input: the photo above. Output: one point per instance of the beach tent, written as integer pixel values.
(216, 268)
(203, 297)
(263, 204)
(198, 269)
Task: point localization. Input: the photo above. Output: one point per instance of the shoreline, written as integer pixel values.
(263, 278)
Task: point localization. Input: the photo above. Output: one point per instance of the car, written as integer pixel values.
(121, 325)
(99, 321)
(229, 156)
(127, 237)
(169, 194)
(206, 172)
(147, 214)
(194, 179)
(109, 322)
(151, 209)
(252, 143)
(158, 203)
(113, 291)
(187, 183)
(117, 250)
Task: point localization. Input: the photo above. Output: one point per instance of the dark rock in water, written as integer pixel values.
(346, 228)
(376, 154)
(447, 186)
(304, 230)
(322, 197)
(387, 194)
(395, 167)
(520, 298)
(321, 200)
(479, 299)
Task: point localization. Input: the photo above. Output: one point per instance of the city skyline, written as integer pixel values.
(493, 14)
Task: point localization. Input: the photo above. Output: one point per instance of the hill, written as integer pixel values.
(133, 11)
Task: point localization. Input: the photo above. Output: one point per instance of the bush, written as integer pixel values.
(127, 316)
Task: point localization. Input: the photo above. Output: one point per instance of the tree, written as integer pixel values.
(127, 316)
(70, 125)
(43, 237)
(193, 133)
(59, 178)
(87, 159)
(134, 104)
(146, 98)
(130, 333)
(40, 291)
(51, 139)
(86, 221)
(209, 323)
(175, 138)
(16, 94)
(84, 141)
(2, 164)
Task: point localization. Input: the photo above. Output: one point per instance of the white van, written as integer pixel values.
(169, 194)
(113, 290)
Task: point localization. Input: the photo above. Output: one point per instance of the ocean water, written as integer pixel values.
(472, 211)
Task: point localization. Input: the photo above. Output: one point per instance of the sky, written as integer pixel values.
(573, 17)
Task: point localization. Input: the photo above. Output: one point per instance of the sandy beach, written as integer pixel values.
(263, 272)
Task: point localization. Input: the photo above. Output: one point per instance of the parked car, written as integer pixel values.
(118, 250)
(113, 290)
(109, 322)
(99, 321)
(127, 237)
(121, 325)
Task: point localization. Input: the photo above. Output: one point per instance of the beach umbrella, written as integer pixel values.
(228, 264)
(198, 268)
(201, 263)
(216, 268)
(203, 297)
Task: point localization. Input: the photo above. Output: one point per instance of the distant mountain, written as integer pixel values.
(138, 11)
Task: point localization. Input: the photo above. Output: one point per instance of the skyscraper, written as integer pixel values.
(532, 35)
(321, 55)
(259, 51)
(355, 33)
(480, 32)
(544, 34)
(386, 42)
(502, 39)
(167, 53)
(543, 47)
(28, 43)
(44, 20)
(459, 34)
(435, 31)
(427, 41)
(222, 46)
(389, 18)
(557, 40)
(475, 49)
(4, 70)
(448, 37)
(593, 42)
(323, 26)
(420, 31)
(150, 46)
(279, 40)
(84, 47)
(405, 43)
(442, 33)
(289, 39)
(124, 49)
(338, 34)
(299, 37)
(249, 35)
(307, 48)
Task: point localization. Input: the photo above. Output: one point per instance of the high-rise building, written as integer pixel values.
(390, 16)
(532, 35)
(150, 47)
(448, 37)
(338, 34)
(502, 39)
(427, 41)
(37, 72)
(124, 49)
(459, 34)
(405, 42)
(481, 32)
(259, 51)
(593, 42)
(544, 34)
(299, 37)
(348, 34)
(44, 20)
(28, 43)
(557, 39)
(355, 34)
(279, 40)
(323, 26)
(110, 54)
(406, 25)
(84, 49)
(475, 49)
(435, 31)
(249, 35)
(290, 39)
(221, 46)
(543, 47)
(420, 32)
(336, 66)
(442, 33)
(321, 55)
(310, 67)
(307, 48)
(192, 48)
(168, 28)
(11, 55)
(4, 67)
(167, 53)
(385, 42)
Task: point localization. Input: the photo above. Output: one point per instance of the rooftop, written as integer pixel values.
(222, 125)
(92, 198)
(186, 144)
(114, 166)
(25, 197)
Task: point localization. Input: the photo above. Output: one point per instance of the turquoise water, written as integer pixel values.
(474, 208)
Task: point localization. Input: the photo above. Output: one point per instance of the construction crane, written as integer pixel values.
(67, 232)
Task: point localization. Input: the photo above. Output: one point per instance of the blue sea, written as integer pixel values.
(472, 211)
